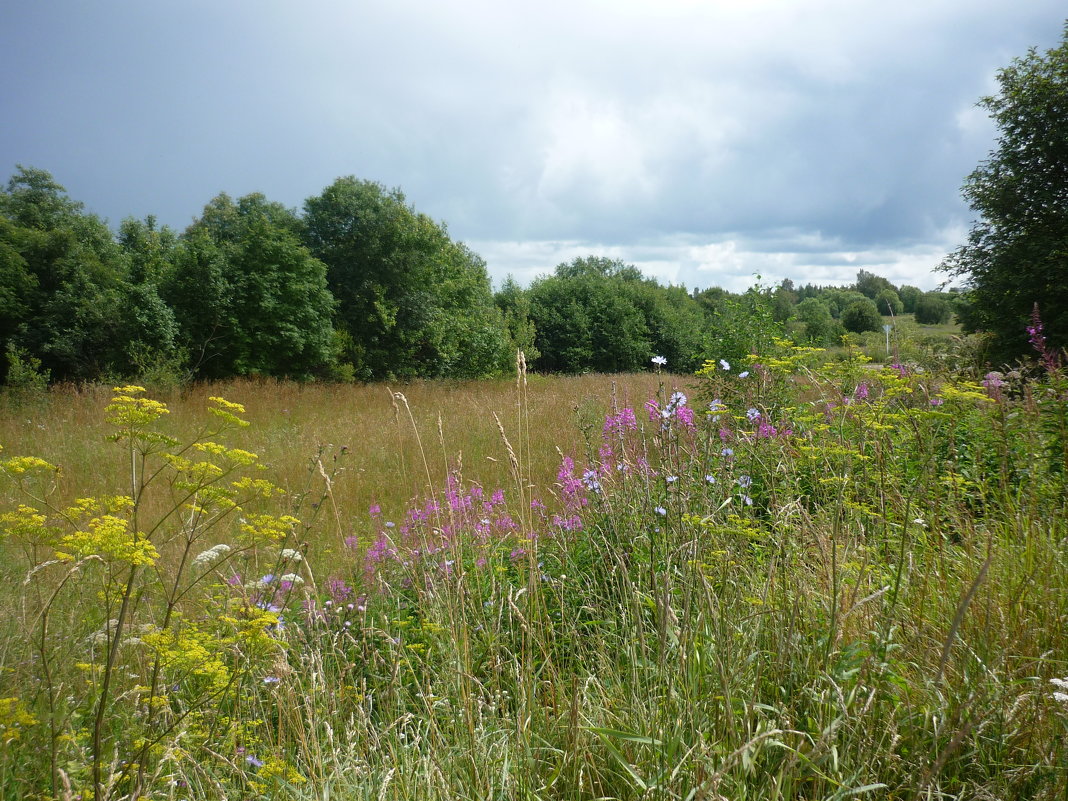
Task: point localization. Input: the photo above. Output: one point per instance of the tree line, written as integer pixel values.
(359, 286)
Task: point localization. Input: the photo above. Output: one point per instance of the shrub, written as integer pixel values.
(888, 302)
(861, 316)
(932, 310)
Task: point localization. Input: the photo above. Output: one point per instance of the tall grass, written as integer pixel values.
(814, 581)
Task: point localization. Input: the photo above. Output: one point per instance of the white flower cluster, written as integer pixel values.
(1061, 695)
(293, 578)
(211, 555)
(291, 555)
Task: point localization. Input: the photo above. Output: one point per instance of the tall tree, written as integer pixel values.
(1017, 253)
(64, 294)
(410, 300)
(249, 297)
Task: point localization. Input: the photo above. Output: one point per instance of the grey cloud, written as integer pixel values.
(816, 137)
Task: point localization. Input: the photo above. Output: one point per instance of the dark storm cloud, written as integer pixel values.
(703, 141)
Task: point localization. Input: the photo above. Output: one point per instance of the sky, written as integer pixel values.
(704, 141)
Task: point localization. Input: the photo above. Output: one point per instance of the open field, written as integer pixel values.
(813, 581)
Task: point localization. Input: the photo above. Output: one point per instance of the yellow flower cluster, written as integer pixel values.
(14, 717)
(128, 411)
(189, 652)
(110, 537)
(19, 466)
(263, 528)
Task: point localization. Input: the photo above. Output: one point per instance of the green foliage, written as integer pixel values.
(909, 296)
(1017, 254)
(25, 377)
(860, 316)
(602, 315)
(248, 296)
(870, 284)
(888, 302)
(821, 328)
(743, 326)
(932, 309)
(413, 302)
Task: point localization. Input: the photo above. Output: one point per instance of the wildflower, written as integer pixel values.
(861, 392)
(671, 479)
(659, 361)
(660, 510)
(747, 500)
(711, 479)
(1063, 685)
(745, 482)
(677, 399)
(685, 416)
(726, 365)
(375, 510)
(271, 680)
(993, 381)
(256, 763)
(291, 555)
(744, 374)
(937, 401)
(589, 480)
(266, 580)
(205, 558)
(727, 452)
(753, 415)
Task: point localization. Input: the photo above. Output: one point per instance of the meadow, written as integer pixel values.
(803, 578)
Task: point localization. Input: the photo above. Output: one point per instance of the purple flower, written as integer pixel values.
(753, 414)
(745, 482)
(256, 763)
(861, 391)
(727, 452)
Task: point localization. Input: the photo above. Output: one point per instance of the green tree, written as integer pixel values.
(1016, 254)
(65, 296)
(870, 284)
(249, 297)
(514, 303)
(587, 320)
(860, 316)
(932, 309)
(411, 301)
(888, 302)
(820, 327)
(909, 295)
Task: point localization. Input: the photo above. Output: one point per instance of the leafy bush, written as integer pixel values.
(931, 309)
(860, 316)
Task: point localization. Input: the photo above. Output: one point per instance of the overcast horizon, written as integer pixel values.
(704, 142)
